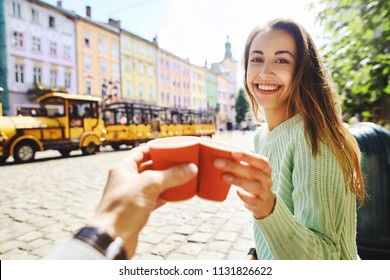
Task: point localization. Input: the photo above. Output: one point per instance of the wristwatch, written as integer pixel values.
(100, 240)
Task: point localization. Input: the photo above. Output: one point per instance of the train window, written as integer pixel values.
(53, 107)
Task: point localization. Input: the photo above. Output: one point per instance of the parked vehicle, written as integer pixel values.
(63, 122)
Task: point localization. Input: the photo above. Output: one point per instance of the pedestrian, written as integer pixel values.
(131, 194)
(155, 126)
(243, 126)
(303, 181)
(229, 127)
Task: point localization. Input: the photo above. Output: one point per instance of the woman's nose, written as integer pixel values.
(266, 70)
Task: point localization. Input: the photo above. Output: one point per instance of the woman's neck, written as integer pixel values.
(274, 118)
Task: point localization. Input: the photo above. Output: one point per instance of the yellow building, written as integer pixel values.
(198, 88)
(139, 70)
(97, 57)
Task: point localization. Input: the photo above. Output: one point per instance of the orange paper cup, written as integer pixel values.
(171, 151)
(211, 186)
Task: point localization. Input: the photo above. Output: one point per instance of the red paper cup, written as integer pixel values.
(210, 185)
(171, 151)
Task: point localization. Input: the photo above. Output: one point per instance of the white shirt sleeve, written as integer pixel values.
(75, 249)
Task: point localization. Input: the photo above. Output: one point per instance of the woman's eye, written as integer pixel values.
(282, 60)
(256, 59)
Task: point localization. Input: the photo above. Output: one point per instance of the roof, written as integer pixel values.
(68, 96)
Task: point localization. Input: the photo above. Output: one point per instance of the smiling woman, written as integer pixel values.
(302, 184)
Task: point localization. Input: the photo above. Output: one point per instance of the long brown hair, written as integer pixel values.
(314, 98)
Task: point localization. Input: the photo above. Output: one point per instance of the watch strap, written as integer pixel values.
(102, 242)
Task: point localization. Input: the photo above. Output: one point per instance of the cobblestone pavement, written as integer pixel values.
(45, 202)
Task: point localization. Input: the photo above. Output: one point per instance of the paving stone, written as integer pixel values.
(162, 249)
(11, 245)
(210, 255)
(199, 237)
(192, 249)
(219, 246)
(226, 235)
(30, 236)
(186, 229)
(179, 256)
(153, 238)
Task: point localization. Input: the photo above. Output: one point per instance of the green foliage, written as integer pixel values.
(358, 54)
(242, 106)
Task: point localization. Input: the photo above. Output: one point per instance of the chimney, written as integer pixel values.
(115, 23)
(88, 11)
(59, 4)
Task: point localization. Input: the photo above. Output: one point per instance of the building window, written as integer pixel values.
(52, 22)
(150, 71)
(35, 16)
(162, 97)
(128, 89)
(87, 40)
(127, 43)
(67, 50)
(87, 64)
(140, 68)
(53, 77)
(19, 73)
(16, 9)
(150, 52)
(68, 79)
(139, 48)
(115, 70)
(37, 72)
(88, 89)
(36, 44)
(102, 45)
(115, 49)
(151, 93)
(103, 68)
(18, 39)
(128, 65)
(168, 97)
(53, 48)
(141, 91)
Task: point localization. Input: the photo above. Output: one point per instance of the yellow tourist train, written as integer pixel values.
(62, 122)
(67, 122)
(130, 123)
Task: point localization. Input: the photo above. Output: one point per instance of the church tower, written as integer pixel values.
(228, 49)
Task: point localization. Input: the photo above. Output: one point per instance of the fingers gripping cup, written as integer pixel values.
(210, 183)
(171, 151)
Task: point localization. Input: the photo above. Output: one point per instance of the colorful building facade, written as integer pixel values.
(139, 69)
(40, 49)
(98, 60)
(52, 48)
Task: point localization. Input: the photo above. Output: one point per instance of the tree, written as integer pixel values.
(358, 54)
(242, 106)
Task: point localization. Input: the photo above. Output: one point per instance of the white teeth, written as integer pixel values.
(267, 87)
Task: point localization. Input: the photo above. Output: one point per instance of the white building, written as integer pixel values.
(40, 49)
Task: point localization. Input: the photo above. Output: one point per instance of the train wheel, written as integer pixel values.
(64, 152)
(116, 147)
(24, 152)
(90, 149)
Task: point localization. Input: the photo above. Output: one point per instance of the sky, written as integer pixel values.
(196, 29)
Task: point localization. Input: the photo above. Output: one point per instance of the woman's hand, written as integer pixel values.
(252, 173)
(132, 193)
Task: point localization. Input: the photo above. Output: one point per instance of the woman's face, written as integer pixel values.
(270, 72)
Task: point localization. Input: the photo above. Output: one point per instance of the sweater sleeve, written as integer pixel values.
(74, 249)
(313, 229)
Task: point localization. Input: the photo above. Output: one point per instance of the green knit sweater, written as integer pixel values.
(315, 213)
